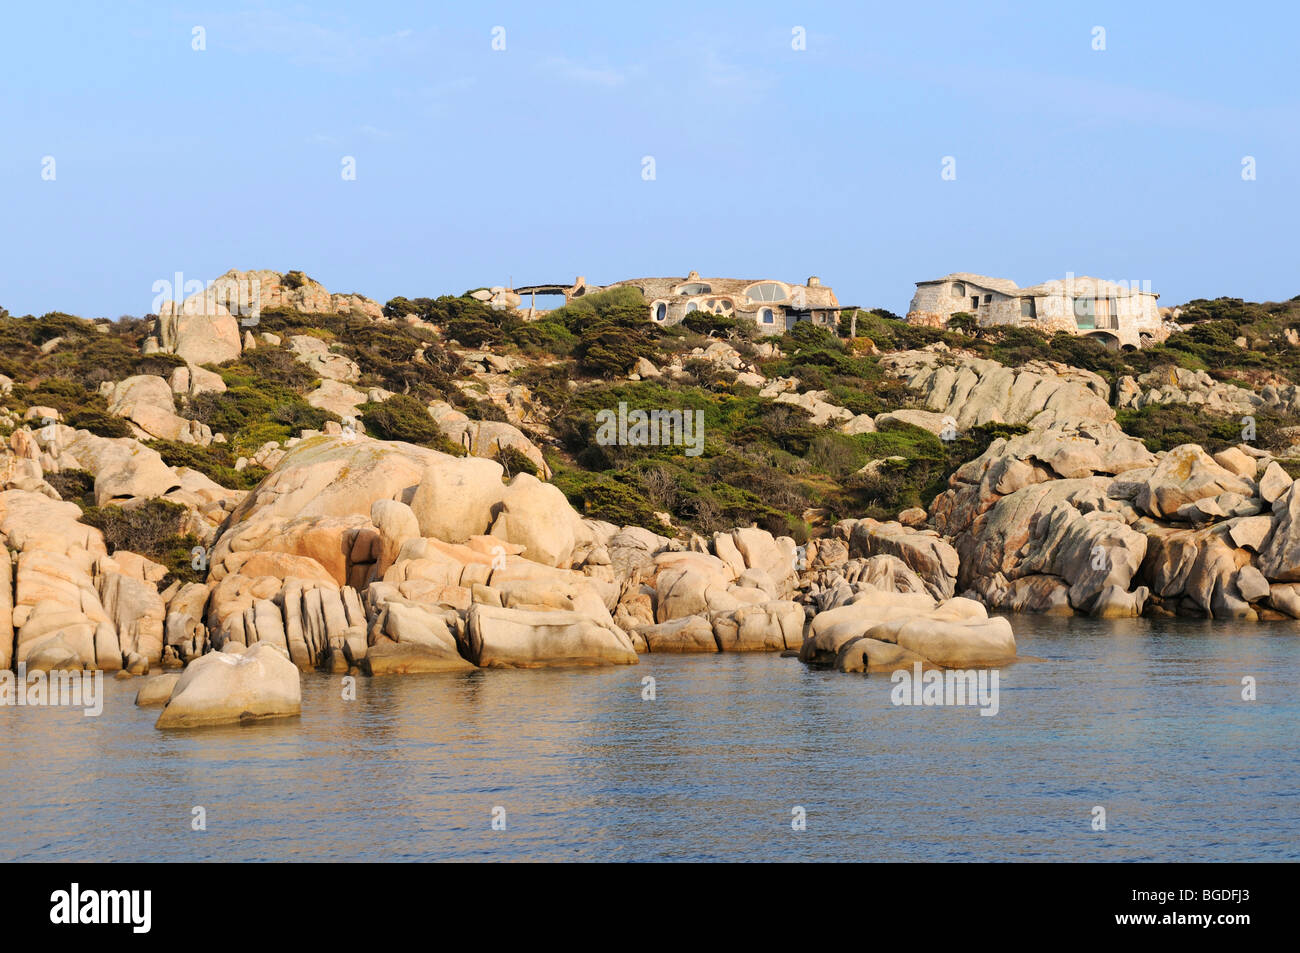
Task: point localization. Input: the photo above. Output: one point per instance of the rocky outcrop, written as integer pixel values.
(191, 381)
(537, 516)
(1177, 385)
(6, 608)
(1187, 474)
(157, 690)
(336, 476)
(147, 402)
(455, 498)
(485, 438)
(324, 363)
(951, 633)
(516, 638)
(338, 398)
(198, 335)
(925, 552)
(223, 688)
(975, 391)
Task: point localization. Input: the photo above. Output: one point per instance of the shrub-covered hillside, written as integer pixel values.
(793, 437)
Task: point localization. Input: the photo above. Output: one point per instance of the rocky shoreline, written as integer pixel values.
(362, 556)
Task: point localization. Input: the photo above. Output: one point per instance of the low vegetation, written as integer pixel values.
(758, 461)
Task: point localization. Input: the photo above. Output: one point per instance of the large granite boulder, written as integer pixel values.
(456, 498)
(199, 329)
(923, 551)
(517, 638)
(224, 688)
(1187, 474)
(975, 391)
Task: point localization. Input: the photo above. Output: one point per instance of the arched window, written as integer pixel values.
(959, 290)
(766, 316)
(766, 291)
(692, 306)
(661, 311)
(694, 288)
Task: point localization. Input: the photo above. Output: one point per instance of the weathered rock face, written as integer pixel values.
(1273, 483)
(1176, 385)
(191, 380)
(337, 476)
(415, 638)
(395, 523)
(324, 363)
(6, 608)
(1279, 554)
(343, 550)
(924, 552)
(1185, 475)
(1039, 457)
(822, 412)
(766, 627)
(137, 612)
(247, 291)
(338, 398)
(690, 633)
(1093, 552)
(222, 688)
(123, 468)
(200, 338)
(974, 391)
(156, 690)
(1196, 570)
(485, 438)
(689, 584)
(537, 516)
(515, 638)
(954, 633)
(312, 620)
(455, 498)
(632, 550)
(146, 401)
(184, 632)
(56, 608)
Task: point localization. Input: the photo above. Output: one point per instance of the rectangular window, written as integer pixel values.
(988, 299)
(1114, 312)
(1027, 308)
(1085, 313)
(975, 301)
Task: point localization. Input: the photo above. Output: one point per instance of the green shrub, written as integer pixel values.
(151, 529)
(99, 423)
(402, 417)
(547, 335)
(75, 486)
(1164, 426)
(604, 497)
(214, 461)
(513, 460)
(613, 331)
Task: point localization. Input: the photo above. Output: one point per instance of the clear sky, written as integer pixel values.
(477, 166)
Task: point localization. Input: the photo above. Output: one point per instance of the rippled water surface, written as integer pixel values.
(1142, 717)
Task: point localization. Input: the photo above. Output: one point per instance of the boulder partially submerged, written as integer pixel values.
(225, 688)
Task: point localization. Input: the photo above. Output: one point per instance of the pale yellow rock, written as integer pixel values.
(156, 690)
(513, 638)
(221, 689)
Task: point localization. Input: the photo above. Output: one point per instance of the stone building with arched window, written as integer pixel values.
(1119, 313)
(774, 306)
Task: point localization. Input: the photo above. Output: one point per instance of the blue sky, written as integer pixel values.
(477, 166)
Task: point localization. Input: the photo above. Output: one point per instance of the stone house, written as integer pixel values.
(1121, 314)
(774, 306)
